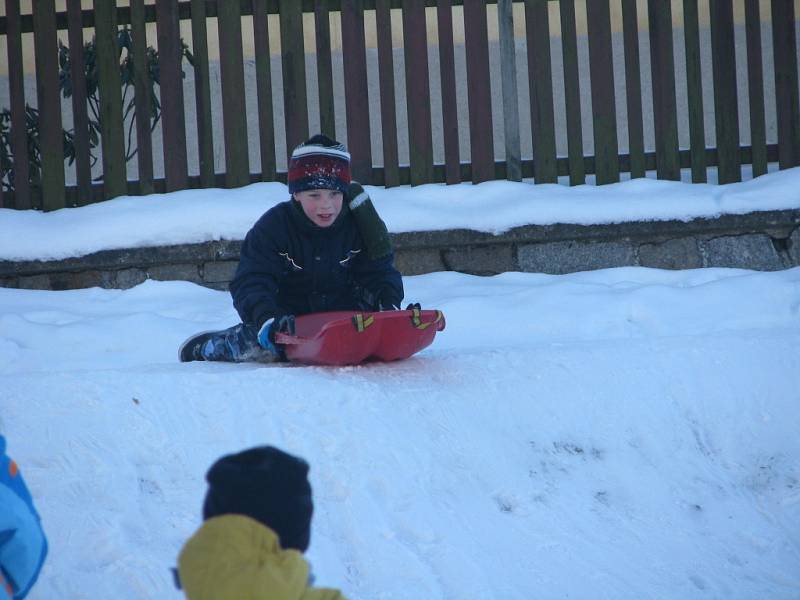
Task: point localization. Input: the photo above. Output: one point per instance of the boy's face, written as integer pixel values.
(321, 206)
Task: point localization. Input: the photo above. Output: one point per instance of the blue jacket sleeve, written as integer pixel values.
(23, 546)
(255, 285)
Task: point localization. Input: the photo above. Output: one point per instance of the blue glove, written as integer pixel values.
(273, 325)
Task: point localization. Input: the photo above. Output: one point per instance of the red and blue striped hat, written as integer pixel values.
(319, 163)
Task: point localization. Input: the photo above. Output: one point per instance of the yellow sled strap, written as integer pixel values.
(361, 323)
(416, 319)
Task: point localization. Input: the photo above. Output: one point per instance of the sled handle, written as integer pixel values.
(289, 340)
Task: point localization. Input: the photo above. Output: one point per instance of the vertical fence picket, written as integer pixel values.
(606, 147)
(508, 73)
(108, 83)
(173, 124)
(16, 88)
(572, 92)
(266, 115)
(726, 110)
(540, 81)
(447, 76)
(202, 94)
(755, 86)
(418, 94)
(478, 90)
(633, 88)
(662, 64)
(383, 24)
(51, 146)
(142, 100)
(80, 115)
(295, 98)
(322, 28)
(694, 91)
(356, 95)
(784, 41)
(234, 107)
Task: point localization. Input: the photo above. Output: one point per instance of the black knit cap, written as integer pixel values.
(268, 485)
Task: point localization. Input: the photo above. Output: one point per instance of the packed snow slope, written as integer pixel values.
(627, 433)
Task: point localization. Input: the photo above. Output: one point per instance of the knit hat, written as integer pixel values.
(268, 485)
(319, 163)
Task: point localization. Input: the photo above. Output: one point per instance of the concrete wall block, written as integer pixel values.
(81, 279)
(219, 272)
(184, 272)
(794, 247)
(683, 253)
(128, 278)
(751, 251)
(9, 282)
(34, 282)
(481, 260)
(568, 257)
(417, 262)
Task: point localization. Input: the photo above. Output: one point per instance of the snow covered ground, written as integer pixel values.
(625, 433)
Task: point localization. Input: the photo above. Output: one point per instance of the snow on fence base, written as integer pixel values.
(764, 241)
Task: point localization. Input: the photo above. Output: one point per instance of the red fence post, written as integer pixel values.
(481, 133)
(19, 132)
(173, 125)
(356, 96)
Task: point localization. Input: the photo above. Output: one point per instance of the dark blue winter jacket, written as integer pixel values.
(289, 265)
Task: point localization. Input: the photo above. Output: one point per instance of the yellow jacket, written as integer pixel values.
(233, 557)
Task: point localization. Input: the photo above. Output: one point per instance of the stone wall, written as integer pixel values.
(764, 241)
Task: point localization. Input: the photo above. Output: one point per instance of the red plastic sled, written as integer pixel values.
(350, 338)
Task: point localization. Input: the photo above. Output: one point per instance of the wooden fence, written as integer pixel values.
(606, 163)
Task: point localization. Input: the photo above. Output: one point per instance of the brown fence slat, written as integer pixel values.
(726, 109)
(572, 93)
(356, 96)
(694, 91)
(16, 87)
(266, 115)
(80, 115)
(478, 90)
(51, 131)
(142, 100)
(601, 70)
(108, 80)
(540, 81)
(662, 69)
(447, 75)
(786, 94)
(755, 85)
(383, 24)
(418, 94)
(295, 98)
(322, 28)
(202, 94)
(508, 73)
(633, 88)
(173, 124)
(234, 107)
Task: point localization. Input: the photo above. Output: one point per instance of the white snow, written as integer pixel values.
(193, 216)
(625, 433)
